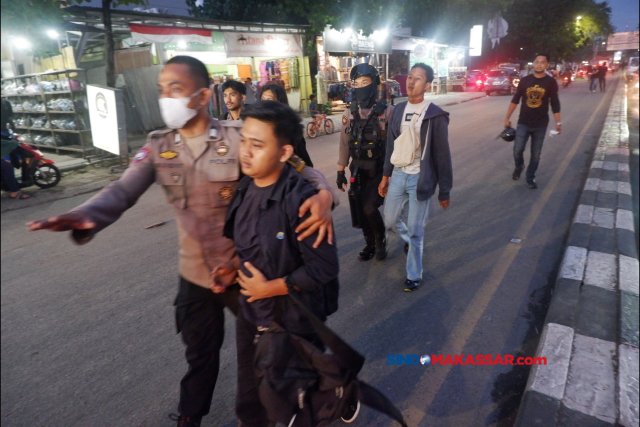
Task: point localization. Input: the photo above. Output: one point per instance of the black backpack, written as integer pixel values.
(301, 385)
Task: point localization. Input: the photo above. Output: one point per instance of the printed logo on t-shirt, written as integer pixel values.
(534, 96)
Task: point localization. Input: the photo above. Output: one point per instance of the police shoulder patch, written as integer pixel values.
(169, 154)
(141, 155)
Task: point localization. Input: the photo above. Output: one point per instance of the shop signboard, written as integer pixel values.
(623, 41)
(274, 45)
(475, 41)
(443, 68)
(350, 41)
(108, 123)
(421, 52)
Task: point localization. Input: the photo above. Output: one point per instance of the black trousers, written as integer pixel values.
(249, 409)
(200, 320)
(369, 204)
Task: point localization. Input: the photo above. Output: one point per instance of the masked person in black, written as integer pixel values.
(362, 148)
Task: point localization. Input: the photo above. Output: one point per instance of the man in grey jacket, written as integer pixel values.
(416, 183)
(196, 161)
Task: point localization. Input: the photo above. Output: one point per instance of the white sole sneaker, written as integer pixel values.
(355, 414)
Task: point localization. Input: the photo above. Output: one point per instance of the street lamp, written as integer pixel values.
(53, 34)
(21, 43)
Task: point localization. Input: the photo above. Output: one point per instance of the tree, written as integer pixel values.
(31, 19)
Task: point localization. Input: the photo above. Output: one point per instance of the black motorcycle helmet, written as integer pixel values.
(508, 134)
(365, 70)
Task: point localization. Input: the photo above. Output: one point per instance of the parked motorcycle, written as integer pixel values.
(36, 169)
(479, 87)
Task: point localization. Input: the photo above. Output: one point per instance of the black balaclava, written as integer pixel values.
(365, 95)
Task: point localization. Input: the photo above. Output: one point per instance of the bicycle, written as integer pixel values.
(319, 123)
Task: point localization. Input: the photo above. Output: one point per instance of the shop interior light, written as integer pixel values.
(348, 31)
(182, 45)
(21, 43)
(53, 34)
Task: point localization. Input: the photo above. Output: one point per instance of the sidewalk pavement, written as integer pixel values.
(590, 337)
(80, 176)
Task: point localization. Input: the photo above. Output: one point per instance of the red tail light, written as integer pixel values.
(479, 82)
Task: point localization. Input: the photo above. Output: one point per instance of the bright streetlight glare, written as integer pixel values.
(53, 34)
(21, 43)
(578, 18)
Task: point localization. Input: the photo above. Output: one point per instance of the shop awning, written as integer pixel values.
(154, 34)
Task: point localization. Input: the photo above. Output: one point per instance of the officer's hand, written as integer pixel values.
(222, 276)
(66, 222)
(320, 218)
(383, 188)
(445, 203)
(342, 181)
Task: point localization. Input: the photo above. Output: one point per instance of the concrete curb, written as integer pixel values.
(590, 337)
(42, 198)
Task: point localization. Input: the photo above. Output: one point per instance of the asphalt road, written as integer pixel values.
(88, 335)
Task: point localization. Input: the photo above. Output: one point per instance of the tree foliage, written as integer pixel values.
(534, 25)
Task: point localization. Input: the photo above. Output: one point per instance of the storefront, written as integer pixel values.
(448, 62)
(274, 57)
(338, 52)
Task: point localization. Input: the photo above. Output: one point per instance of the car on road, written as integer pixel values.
(502, 81)
(472, 76)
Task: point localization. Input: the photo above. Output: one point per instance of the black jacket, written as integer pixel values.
(309, 270)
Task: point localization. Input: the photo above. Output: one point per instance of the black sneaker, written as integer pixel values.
(352, 412)
(517, 172)
(532, 184)
(411, 285)
(184, 421)
(406, 248)
(367, 252)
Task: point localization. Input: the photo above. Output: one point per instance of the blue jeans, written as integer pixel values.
(402, 191)
(523, 133)
(592, 84)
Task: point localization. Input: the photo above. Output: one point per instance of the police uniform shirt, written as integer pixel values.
(345, 136)
(409, 111)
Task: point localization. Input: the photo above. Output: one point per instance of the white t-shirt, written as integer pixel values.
(409, 111)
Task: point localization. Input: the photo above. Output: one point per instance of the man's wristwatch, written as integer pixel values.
(559, 124)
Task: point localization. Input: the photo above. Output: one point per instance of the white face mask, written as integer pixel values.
(175, 111)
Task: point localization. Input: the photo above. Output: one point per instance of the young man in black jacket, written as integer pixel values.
(261, 220)
(415, 183)
(537, 90)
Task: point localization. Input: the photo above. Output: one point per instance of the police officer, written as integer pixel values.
(362, 148)
(196, 163)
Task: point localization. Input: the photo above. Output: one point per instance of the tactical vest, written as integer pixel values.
(367, 140)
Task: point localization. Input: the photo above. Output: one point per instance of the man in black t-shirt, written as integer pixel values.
(537, 91)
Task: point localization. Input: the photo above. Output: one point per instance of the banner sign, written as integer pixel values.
(108, 123)
(475, 41)
(350, 41)
(623, 41)
(262, 44)
(152, 34)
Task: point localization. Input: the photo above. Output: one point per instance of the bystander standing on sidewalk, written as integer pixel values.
(537, 91)
(414, 181)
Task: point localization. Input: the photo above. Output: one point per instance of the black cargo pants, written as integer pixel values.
(200, 320)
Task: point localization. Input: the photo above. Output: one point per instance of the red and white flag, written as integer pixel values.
(152, 34)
